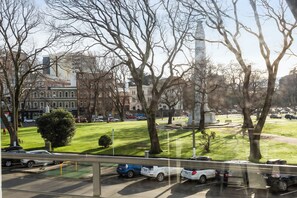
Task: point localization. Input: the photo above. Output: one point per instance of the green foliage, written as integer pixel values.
(105, 141)
(58, 127)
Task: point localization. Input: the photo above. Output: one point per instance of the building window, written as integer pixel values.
(72, 94)
(60, 104)
(41, 105)
(54, 94)
(66, 105)
(60, 94)
(41, 94)
(35, 105)
(34, 95)
(133, 93)
(54, 104)
(72, 105)
(66, 94)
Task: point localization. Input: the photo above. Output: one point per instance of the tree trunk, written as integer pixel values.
(10, 129)
(255, 153)
(246, 110)
(202, 119)
(170, 115)
(247, 121)
(121, 114)
(155, 145)
(202, 113)
(255, 135)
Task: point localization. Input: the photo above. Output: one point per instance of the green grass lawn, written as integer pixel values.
(131, 138)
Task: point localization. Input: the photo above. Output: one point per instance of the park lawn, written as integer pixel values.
(282, 127)
(131, 139)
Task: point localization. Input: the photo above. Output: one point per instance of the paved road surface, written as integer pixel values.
(37, 185)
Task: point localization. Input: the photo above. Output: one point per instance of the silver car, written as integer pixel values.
(30, 162)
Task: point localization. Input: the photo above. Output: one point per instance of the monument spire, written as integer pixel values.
(198, 70)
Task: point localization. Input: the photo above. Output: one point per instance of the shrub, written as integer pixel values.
(205, 139)
(105, 141)
(58, 127)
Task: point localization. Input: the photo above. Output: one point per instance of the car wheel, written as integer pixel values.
(8, 163)
(30, 164)
(202, 179)
(57, 162)
(130, 174)
(160, 177)
(283, 186)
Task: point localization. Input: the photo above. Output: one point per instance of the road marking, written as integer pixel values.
(288, 193)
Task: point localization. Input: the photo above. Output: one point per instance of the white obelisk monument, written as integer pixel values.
(200, 61)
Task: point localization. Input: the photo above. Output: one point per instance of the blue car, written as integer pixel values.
(129, 170)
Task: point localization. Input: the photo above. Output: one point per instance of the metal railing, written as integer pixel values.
(96, 161)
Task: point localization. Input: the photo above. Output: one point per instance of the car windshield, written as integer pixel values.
(149, 167)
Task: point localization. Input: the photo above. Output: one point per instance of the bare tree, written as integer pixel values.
(96, 84)
(257, 87)
(19, 19)
(173, 96)
(119, 92)
(288, 90)
(219, 15)
(147, 36)
(218, 99)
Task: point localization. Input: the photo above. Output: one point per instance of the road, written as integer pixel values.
(38, 185)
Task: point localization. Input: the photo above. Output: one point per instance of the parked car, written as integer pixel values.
(98, 120)
(289, 116)
(201, 175)
(29, 120)
(234, 174)
(30, 162)
(159, 172)
(11, 162)
(141, 118)
(279, 182)
(128, 170)
(275, 116)
(81, 120)
(131, 117)
(111, 119)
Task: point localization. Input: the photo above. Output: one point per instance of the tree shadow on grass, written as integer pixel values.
(136, 148)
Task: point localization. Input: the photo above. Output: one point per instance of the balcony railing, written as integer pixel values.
(96, 161)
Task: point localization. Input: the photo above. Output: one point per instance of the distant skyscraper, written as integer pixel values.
(46, 65)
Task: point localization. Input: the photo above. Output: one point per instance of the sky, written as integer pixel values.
(221, 55)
